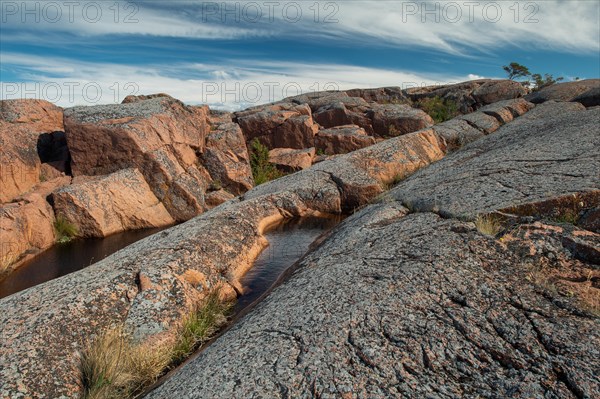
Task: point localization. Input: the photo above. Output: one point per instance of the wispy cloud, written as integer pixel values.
(224, 86)
(458, 27)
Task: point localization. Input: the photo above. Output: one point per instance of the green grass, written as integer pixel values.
(199, 326)
(65, 230)
(115, 366)
(570, 216)
(262, 170)
(439, 109)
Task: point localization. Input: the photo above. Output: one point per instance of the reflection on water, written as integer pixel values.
(68, 258)
(288, 242)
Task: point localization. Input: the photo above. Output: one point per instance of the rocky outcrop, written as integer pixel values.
(290, 160)
(160, 136)
(109, 204)
(533, 141)
(586, 92)
(464, 129)
(147, 287)
(280, 125)
(342, 139)
(46, 325)
(27, 129)
(469, 96)
(382, 95)
(408, 299)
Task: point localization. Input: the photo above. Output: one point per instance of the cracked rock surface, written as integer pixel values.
(418, 303)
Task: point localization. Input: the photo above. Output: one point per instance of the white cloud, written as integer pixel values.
(221, 86)
(456, 27)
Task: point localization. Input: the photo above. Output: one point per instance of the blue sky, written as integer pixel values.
(232, 54)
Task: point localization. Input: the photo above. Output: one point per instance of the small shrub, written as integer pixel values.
(439, 109)
(488, 225)
(262, 170)
(215, 185)
(65, 230)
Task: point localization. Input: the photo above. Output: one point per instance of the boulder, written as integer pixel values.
(159, 136)
(290, 160)
(110, 204)
(226, 158)
(569, 91)
(341, 114)
(316, 100)
(26, 228)
(281, 125)
(498, 90)
(391, 120)
(482, 121)
(342, 139)
(505, 111)
(25, 127)
(135, 99)
(590, 98)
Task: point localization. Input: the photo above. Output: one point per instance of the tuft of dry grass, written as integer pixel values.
(488, 225)
(115, 366)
